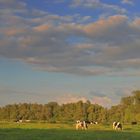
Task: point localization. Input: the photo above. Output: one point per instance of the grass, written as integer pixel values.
(45, 131)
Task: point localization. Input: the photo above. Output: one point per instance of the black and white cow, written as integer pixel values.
(117, 126)
(82, 124)
(94, 122)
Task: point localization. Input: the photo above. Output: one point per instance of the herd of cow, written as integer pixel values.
(84, 125)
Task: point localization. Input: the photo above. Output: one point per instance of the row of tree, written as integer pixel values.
(127, 111)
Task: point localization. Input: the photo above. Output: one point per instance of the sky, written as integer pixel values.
(69, 50)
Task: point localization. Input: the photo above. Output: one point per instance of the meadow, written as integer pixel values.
(59, 131)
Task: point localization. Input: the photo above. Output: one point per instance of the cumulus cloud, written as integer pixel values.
(131, 2)
(12, 4)
(104, 101)
(108, 96)
(69, 98)
(63, 44)
(105, 96)
(47, 45)
(97, 4)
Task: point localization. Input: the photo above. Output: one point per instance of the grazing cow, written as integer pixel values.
(79, 124)
(117, 126)
(19, 121)
(94, 122)
(27, 120)
(82, 124)
(114, 125)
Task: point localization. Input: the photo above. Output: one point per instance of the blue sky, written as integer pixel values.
(65, 51)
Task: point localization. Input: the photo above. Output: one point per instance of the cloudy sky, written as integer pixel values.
(69, 50)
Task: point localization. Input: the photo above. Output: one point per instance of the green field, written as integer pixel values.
(46, 131)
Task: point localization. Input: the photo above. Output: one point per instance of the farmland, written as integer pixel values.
(59, 131)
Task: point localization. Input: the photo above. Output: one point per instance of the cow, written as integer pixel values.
(79, 124)
(27, 120)
(82, 124)
(19, 121)
(114, 125)
(117, 126)
(94, 122)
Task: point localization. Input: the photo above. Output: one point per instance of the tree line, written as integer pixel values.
(128, 110)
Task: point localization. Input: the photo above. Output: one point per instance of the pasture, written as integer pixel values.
(50, 131)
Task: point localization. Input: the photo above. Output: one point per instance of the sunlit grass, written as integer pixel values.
(61, 131)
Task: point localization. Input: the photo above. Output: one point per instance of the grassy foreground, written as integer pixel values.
(43, 131)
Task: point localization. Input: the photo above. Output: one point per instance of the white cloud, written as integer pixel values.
(97, 4)
(108, 96)
(131, 2)
(107, 45)
(69, 98)
(70, 44)
(104, 101)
